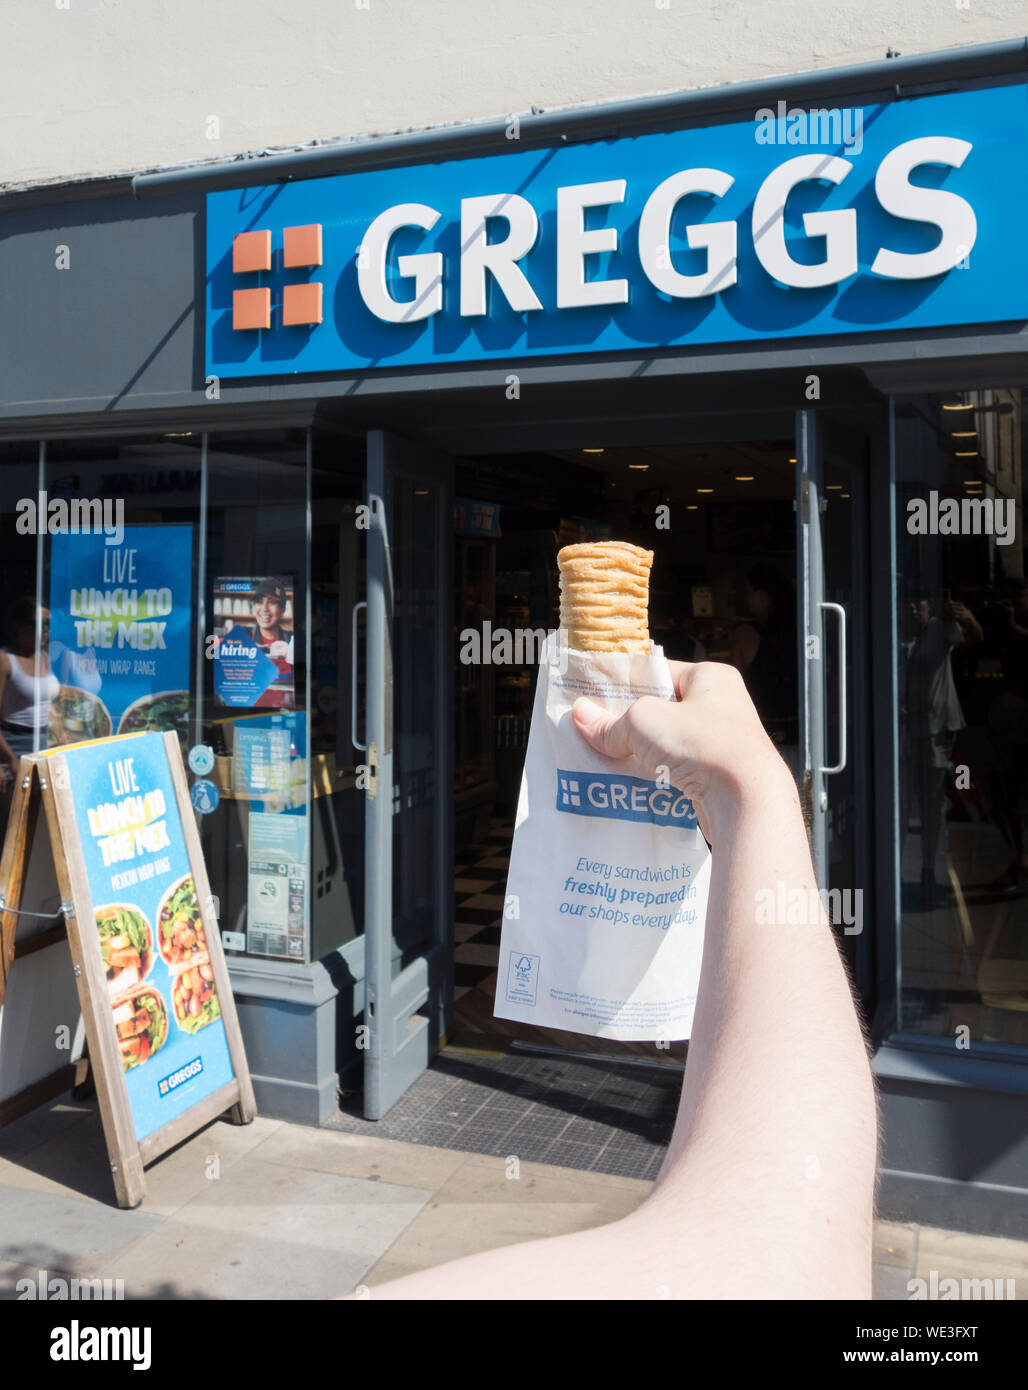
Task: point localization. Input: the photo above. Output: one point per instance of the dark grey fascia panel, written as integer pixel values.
(942, 360)
(890, 77)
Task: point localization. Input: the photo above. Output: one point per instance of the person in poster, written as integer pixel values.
(270, 633)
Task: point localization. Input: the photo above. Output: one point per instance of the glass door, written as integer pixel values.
(408, 741)
(832, 467)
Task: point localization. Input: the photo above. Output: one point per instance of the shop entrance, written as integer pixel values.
(758, 560)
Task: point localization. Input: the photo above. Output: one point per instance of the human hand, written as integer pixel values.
(279, 651)
(710, 741)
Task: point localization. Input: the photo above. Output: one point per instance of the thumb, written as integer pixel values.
(605, 732)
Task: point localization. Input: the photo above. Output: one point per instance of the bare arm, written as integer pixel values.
(768, 1185)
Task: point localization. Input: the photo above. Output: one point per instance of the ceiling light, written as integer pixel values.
(844, 494)
(642, 466)
(704, 489)
(592, 451)
(692, 507)
(964, 434)
(972, 482)
(965, 453)
(792, 460)
(959, 405)
(833, 487)
(748, 479)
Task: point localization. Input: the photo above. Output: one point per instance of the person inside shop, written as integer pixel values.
(675, 637)
(27, 687)
(778, 1072)
(932, 718)
(764, 650)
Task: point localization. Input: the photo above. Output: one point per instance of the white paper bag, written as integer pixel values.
(607, 890)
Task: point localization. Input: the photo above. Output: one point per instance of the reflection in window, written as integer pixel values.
(962, 665)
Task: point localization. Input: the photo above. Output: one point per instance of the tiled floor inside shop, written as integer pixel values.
(479, 880)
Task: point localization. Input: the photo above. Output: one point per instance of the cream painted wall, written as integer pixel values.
(106, 86)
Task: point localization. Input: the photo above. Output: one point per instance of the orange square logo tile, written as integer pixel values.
(301, 246)
(251, 308)
(251, 251)
(301, 304)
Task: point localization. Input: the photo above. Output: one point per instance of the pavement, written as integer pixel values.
(277, 1210)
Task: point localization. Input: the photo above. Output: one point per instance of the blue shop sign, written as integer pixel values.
(908, 214)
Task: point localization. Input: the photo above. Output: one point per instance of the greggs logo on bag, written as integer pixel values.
(612, 796)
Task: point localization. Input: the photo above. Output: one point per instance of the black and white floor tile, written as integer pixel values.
(478, 887)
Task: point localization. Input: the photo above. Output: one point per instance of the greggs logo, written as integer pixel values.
(251, 254)
(610, 796)
(486, 257)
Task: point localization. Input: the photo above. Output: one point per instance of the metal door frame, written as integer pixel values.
(400, 1039)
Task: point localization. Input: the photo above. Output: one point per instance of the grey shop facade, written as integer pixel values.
(375, 385)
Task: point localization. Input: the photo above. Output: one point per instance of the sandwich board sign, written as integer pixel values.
(142, 933)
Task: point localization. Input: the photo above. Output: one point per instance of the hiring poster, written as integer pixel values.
(253, 646)
(120, 632)
(147, 924)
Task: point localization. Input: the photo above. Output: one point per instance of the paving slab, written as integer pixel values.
(481, 1208)
(52, 1230)
(895, 1243)
(35, 1128)
(11, 1273)
(889, 1283)
(73, 1161)
(958, 1255)
(265, 1231)
(360, 1156)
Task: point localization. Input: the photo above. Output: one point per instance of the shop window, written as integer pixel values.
(206, 585)
(962, 677)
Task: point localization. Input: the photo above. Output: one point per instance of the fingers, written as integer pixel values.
(607, 733)
(682, 673)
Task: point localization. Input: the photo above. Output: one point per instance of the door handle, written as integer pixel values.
(360, 747)
(838, 609)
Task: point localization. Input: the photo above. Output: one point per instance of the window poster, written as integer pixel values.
(269, 761)
(152, 938)
(277, 885)
(253, 642)
(120, 617)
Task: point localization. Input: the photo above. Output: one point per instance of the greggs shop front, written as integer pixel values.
(289, 447)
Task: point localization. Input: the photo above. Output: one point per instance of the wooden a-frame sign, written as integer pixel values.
(163, 1066)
